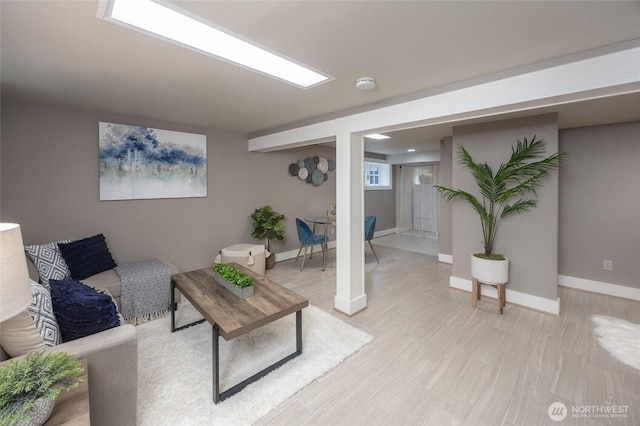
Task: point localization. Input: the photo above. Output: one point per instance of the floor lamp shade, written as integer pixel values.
(15, 292)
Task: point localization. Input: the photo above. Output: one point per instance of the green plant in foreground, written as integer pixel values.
(503, 194)
(38, 375)
(234, 276)
(267, 224)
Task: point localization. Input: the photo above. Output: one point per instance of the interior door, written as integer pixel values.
(425, 210)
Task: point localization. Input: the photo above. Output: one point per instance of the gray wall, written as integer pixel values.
(49, 167)
(600, 203)
(381, 204)
(530, 240)
(603, 170)
(445, 213)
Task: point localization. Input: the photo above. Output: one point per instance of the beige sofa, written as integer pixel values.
(107, 280)
(112, 360)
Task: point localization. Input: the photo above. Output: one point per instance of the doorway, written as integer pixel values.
(417, 209)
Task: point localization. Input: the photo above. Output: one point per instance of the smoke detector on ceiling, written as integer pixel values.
(366, 83)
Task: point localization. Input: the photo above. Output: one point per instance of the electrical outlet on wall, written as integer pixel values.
(607, 265)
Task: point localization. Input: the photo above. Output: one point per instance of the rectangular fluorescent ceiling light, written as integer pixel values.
(377, 136)
(163, 20)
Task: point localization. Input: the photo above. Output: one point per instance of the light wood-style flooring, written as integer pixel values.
(435, 360)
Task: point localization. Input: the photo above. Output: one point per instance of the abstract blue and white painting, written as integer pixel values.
(142, 163)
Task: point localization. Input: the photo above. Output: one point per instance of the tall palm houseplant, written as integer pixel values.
(268, 224)
(508, 191)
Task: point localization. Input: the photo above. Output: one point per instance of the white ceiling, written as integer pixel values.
(58, 52)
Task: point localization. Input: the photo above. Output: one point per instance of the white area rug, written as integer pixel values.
(174, 377)
(620, 338)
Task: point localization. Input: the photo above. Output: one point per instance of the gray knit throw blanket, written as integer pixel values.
(145, 290)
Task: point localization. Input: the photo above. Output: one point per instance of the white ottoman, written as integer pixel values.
(251, 256)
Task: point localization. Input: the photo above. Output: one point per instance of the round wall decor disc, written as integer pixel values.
(303, 173)
(317, 177)
(323, 165)
(309, 164)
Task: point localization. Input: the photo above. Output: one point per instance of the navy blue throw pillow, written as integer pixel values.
(81, 310)
(87, 257)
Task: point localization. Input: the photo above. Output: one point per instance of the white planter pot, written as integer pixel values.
(490, 271)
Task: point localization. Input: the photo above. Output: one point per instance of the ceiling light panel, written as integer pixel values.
(377, 136)
(165, 21)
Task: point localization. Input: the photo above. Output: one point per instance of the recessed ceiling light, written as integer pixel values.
(166, 21)
(411, 150)
(377, 136)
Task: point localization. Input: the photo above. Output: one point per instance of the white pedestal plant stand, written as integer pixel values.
(490, 272)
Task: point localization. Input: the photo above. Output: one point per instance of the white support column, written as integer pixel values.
(350, 296)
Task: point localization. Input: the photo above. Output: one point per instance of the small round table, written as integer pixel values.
(326, 221)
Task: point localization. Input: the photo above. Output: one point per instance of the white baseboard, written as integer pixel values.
(350, 307)
(291, 254)
(286, 255)
(537, 303)
(445, 258)
(600, 287)
(384, 232)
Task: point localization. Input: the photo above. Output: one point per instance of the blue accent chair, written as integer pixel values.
(308, 239)
(369, 229)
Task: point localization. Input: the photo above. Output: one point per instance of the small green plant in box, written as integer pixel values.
(39, 375)
(234, 276)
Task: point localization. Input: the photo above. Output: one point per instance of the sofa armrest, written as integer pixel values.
(112, 361)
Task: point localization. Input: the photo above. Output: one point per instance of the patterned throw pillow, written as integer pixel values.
(41, 310)
(49, 261)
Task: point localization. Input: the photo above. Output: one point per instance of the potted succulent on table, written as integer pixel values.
(234, 280)
(268, 224)
(29, 386)
(502, 194)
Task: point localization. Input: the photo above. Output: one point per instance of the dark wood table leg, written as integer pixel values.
(298, 332)
(221, 396)
(173, 309)
(172, 288)
(215, 336)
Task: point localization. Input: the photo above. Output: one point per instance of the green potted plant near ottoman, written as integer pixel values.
(268, 224)
(29, 386)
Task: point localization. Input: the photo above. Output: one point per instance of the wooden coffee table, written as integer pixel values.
(231, 316)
